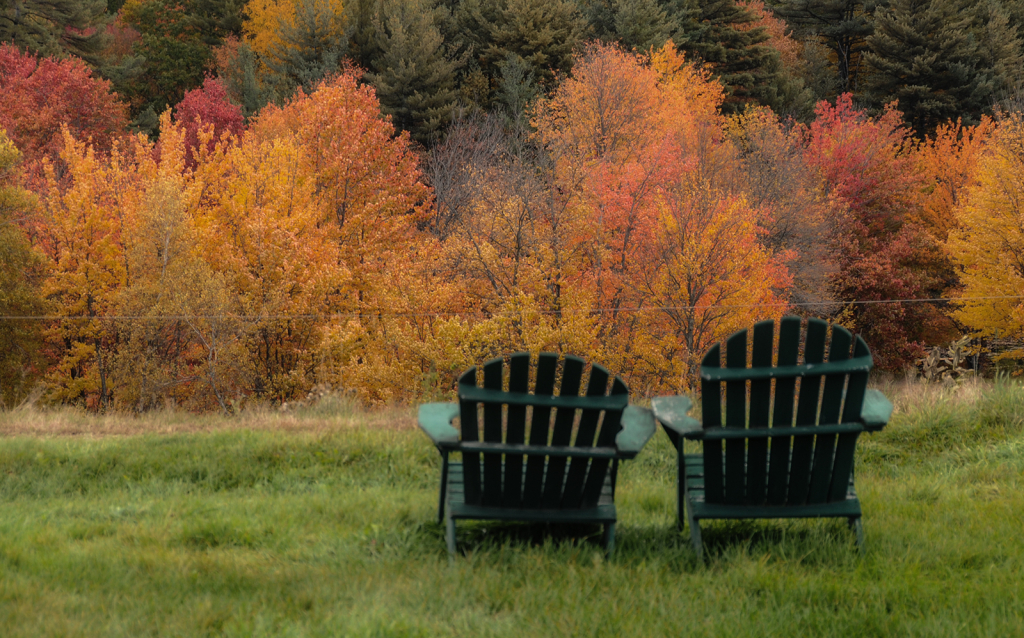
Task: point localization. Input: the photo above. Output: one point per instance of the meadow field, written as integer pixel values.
(320, 521)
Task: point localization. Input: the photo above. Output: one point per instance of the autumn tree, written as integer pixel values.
(266, 20)
(207, 106)
(795, 213)
(38, 96)
(656, 241)
(368, 189)
(884, 256)
(21, 272)
(298, 42)
(988, 244)
(83, 243)
(948, 163)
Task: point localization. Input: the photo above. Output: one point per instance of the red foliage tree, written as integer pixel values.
(204, 107)
(40, 95)
(867, 165)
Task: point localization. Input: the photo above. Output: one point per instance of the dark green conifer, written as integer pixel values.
(841, 25)
(639, 25)
(923, 54)
(311, 48)
(710, 30)
(412, 70)
(55, 27)
(543, 33)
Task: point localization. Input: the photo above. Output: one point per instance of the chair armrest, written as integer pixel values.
(436, 420)
(671, 411)
(638, 427)
(875, 411)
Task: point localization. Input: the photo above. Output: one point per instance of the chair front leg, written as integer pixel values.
(444, 486)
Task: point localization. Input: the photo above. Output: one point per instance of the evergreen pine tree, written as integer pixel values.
(310, 50)
(1001, 48)
(922, 54)
(54, 27)
(749, 70)
(243, 82)
(543, 33)
(412, 71)
(841, 25)
(635, 24)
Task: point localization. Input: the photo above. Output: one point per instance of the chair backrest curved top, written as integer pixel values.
(795, 395)
(541, 413)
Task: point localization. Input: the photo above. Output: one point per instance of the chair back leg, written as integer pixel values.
(858, 529)
(449, 537)
(609, 539)
(698, 544)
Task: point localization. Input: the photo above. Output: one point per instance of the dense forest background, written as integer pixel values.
(209, 202)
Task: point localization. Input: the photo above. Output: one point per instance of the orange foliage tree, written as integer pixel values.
(366, 184)
(627, 237)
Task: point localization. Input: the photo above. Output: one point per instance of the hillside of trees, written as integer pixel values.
(209, 202)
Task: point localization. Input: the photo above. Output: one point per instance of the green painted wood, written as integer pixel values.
(735, 417)
(875, 411)
(760, 413)
(540, 428)
(831, 404)
(586, 435)
(570, 451)
(636, 427)
(470, 426)
(493, 379)
(436, 420)
(860, 364)
(700, 508)
(515, 428)
(611, 426)
(782, 416)
(603, 511)
(484, 395)
(554, 480)
(711, 391)
(598, 514)
(731, 434)
(846, 444)
(672, 412)
(711, 407)
(500, 464)
(806, 414)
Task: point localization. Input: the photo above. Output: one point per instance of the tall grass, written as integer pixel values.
(321, 522)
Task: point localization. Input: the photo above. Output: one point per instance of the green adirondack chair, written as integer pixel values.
(530, 452)
(759, 459)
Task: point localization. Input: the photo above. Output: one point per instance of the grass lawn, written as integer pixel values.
(322, 523)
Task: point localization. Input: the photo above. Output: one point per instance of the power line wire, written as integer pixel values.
(371, 315)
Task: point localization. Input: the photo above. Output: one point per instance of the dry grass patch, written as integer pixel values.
(329, 414)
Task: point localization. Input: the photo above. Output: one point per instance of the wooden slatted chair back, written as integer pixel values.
(789, 426)
(539, 447)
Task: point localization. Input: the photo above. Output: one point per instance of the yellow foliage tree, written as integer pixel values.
(988, 244)
(21, 272)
